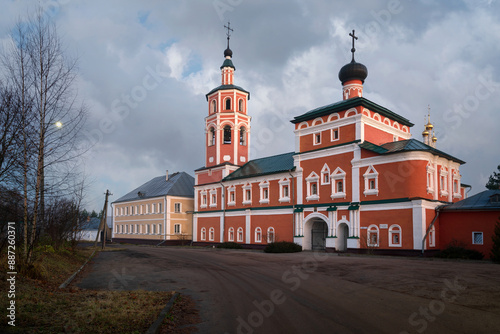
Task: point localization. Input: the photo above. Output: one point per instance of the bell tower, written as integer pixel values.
(227, 125)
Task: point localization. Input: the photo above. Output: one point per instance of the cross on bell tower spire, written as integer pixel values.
(353, 38)
(228, 34)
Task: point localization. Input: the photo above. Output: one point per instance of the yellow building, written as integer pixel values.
(159, 211)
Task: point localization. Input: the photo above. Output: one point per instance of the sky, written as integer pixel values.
(144, 68)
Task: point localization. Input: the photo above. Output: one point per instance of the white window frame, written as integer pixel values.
(204, 200)
(371, 174)
(159, 228)
(313, 178)
(230, 234)
(213, 198)
(332, 134)
(203, 233)
(258, 235)
(325, 171)
(177, 207)
(211, 234)
(159, 207)
(137, 228)
(473, 238)
(247, 187)
(338, 175)
(231, 192)
(285, 182)
(264, 185)
(430, 178)
(443, 182)
(177, 229)
(270, 232)
(395, 229)
(317, 135)
(456, 181)
(432, 237)
(372, 229)
(240, 235)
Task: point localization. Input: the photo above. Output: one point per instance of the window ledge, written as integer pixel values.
(213, 205)
(371, 192)
(443, 193)
(312, 198)
(264, 201)
(247, 202)
(284, 199)
(390, 245)
(203, 206)
(338, 195)
(231, 203)
(457, 195)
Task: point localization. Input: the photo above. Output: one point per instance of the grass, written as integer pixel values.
(43, 308)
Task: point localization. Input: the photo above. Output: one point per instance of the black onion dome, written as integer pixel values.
(228, 52)
(353, 71)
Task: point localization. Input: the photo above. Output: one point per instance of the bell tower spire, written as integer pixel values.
(352, 75)
(228, 67)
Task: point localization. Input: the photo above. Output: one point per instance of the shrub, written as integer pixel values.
(283, 247)
(456, 250)
(495, 250)
(230, 245)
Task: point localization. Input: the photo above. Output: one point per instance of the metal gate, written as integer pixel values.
(318, 241)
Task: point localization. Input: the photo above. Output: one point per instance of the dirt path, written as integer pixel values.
(252, 292)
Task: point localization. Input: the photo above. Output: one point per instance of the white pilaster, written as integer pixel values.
(248, 219)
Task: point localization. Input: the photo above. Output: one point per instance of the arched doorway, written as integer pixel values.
(342, 234)
(319, 232)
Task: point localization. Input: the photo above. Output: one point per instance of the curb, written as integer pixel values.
(66, 283)
(155, 327)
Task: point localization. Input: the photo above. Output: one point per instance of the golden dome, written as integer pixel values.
(434, 139)
(425, 133)
(429, 126)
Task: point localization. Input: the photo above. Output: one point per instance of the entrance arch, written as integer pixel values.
(342, 234)
(315, 232)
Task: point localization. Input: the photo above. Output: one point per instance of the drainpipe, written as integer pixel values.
(223, 207)
(438, 208)
(293, 200)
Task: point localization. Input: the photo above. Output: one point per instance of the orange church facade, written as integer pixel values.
(356, 180)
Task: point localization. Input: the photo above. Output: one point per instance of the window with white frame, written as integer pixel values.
(211, 234)
(325, 174)
(140, 229)
(443, 182)
(258, 234)
(230, 234)
(213, 198)
(338, 183)
(240, 234)
(177, 207)
(432, 237)
(477, 238)
(153, 208)
(214, 106)
(394, 236)
(430, 178)
(177, 228)
(116, 212)
(335, 134)
(127, 213)
(317, 138)
(211, 136)
(231, 196)
(371, 181)
(203, 234)
(136, 209)
(131, 210)
(153, 227)
(147, 228)
(264, 192)
(132, 228)
(270, 235)
(203, 199)
(136, 228)
(456, 184)
(159, 207)
(121, 211)
(247, 194)
(312, 187)
(240, 105)
(159, 228)
(284, 190)
(142, 209)
(227, 134)
(372, 236)
(243, 136)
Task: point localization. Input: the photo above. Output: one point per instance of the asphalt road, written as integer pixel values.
(254, 292)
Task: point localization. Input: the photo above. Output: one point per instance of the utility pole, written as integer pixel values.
(102, 225)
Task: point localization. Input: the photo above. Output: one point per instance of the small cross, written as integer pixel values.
(228, 27)
(353, 38)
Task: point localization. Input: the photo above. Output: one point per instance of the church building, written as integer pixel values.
(356, 180)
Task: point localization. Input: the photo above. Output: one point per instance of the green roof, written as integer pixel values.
(263, 166)
(351, 103)
(227, 87)
(228, 63)
(485, 200)
(406, 146)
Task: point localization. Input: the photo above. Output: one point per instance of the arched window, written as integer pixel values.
(214, 106)
(211, 234)
(243, 136)
(227, 134)
(258, 234)
(240, 105)
(230, 234)
(211, 137)
(240, 234)
(395, 236)
(270, 235)
(372, 236)
(228, 103)
(203, 234)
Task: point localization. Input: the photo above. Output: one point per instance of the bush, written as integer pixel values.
(230, 245)
(283, 247)
(458, 251)
(495, 250)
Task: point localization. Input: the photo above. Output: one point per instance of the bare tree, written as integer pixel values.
(38, 66)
